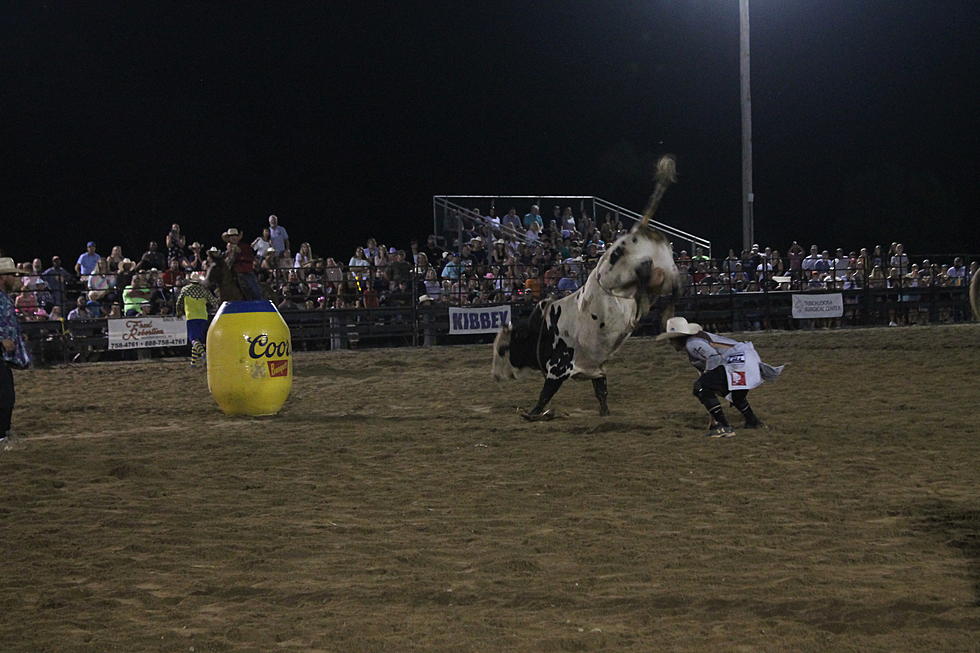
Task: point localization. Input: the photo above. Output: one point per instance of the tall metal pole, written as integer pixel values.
(748, 224)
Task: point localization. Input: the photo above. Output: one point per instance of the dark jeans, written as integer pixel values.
(6, 397)
(250, 286)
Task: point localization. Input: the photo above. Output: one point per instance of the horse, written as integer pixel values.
(224, 279)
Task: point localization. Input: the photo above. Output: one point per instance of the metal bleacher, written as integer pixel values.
(453, 214)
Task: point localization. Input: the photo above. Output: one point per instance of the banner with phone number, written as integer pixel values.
(147, 331)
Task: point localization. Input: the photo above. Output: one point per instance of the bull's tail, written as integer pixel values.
(665, 176)
(975, 295)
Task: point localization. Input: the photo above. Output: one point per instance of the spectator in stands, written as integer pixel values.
(127, 268)
(101, 283)
(175, 244)
(94, 309)
(173, 275)
(195, 261)
(532, 235)
(262, 244)
(810, 262)
(57, 279)
(33, 275)
(151, 258)
(900, 260)
(358, 262)
(304, 257)
(400, 269)
(333, 272)
(26, 303)
(957, 273)
(80, 312)
(453, 268)
(115, 257)
(278, 236)
(115, 311)
(795, 255)
(87, 260)
(534, 216)
(134, 294)
(878, 259)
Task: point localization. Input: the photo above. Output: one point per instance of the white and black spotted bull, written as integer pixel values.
(574, 337)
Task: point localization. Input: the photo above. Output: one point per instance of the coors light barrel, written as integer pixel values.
(250, 371)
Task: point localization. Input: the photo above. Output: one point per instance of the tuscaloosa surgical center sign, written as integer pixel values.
(816, 306)
(146, 331)
(486, 319)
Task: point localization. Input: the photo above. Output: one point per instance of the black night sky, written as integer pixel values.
(344, 118)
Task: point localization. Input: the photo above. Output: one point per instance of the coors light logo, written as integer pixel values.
(261, 347)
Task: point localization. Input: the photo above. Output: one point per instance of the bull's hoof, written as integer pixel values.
(538, 417)
(604, 411)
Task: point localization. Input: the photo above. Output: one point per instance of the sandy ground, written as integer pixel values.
(399, 504)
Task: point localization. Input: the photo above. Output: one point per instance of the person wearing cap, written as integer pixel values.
(194, 301)
(85, 265)
(241, 260)
(726, 367)
(12, 348)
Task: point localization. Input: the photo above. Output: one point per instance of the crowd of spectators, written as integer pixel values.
(485, 259)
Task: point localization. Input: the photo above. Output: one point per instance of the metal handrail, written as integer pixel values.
(444, 202)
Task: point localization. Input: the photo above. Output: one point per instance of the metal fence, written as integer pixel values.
(341, 306)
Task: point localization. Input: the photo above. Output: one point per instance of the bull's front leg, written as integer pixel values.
(601, 393)
(537, 413)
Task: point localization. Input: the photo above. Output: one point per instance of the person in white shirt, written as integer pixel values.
(278, 235)
(726, 367)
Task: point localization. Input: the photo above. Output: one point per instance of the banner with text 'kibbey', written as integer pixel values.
(485, 319)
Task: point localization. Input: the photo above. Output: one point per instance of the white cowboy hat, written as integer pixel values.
(425, 298)
(7, 266)
(679, 326)
(196, 277)
(231, 231)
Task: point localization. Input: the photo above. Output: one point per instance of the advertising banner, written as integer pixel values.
(486, 319)
(817, 306)
(146, 331)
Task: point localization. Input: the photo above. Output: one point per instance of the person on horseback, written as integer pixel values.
(241, 260)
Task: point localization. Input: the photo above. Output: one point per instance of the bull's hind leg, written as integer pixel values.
(547, 392)
(601, 393)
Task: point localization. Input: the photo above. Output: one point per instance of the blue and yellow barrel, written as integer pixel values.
(250, 369)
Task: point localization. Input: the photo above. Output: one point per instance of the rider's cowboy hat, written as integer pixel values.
(678, 327)
(7, 266)
(229, 233)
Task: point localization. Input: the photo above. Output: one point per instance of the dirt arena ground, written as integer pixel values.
(399, 504)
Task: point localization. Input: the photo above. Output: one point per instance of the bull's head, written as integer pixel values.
(637, 264)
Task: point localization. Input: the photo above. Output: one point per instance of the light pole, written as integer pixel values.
(748, 224)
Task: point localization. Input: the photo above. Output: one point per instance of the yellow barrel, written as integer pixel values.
(250, 371)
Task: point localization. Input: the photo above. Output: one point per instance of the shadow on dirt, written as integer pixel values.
(957, 526)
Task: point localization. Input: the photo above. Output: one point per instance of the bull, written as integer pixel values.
(574, 337)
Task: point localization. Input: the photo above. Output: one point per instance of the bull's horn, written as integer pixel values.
(665, 176)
